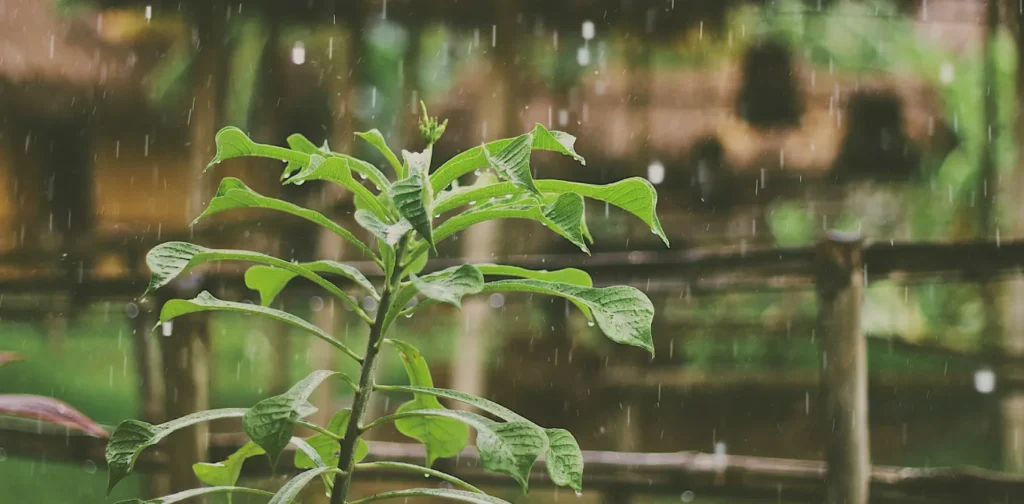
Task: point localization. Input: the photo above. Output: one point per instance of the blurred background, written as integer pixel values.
(761, 123)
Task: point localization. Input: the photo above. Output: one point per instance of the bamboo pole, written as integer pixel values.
(844, 368)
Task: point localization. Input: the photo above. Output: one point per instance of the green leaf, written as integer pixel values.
(623, 313)
(442, 437)
(475, 158)
(290, 491)
(508, 448)
(564, 216)
(168, 260)
(338, 170)
(269, 281)
(567, 275)
(206, 302)
(513, 163)
(197, 492)
(635, 195)
(412, 197)
(564, 459)
(450, 285)
(391, 234)
(131, 437)
(439, 493)
(226, 473)
(376, 139)
(233, 143)
(271, 422)
(299, 142)
(417, 163)
(233, 194)
(415, 469)
(327, 447)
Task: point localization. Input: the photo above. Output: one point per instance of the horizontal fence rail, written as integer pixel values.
(636, 473)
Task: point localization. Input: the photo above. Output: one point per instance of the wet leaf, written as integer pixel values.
(269, 281)
(376, 139)
(391, 234)
(131, 437)
(512, 163)
(206, 302)
(439, 493)
(290, 491)
(412, 198)
(327, 448)
(474, 159)
(197, 492)
(624, 314)
(226, 473)
(450, 285)
(563, 215)
(338, 170)
(442, 437)
(233, 193)
(271, 422)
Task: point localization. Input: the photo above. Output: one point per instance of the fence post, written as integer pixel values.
(844, 381)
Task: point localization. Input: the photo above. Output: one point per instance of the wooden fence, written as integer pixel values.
(839, 268)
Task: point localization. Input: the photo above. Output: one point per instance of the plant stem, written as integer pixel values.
(346, 460)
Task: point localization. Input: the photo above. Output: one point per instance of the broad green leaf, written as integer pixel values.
(564, 459)
(233, 143)
(327, 447)
(206, 302)
(442, 437)
(299, 142)
(233, 194)
(512, 163)
(131, 437)
(564, 216)
(567, 275)
(226, 473)
(168, 260)
(412, 197)
(450, 285)
(198, 492)
(391, 234)
(376, 139)
(289, 492)
(623, 313)
(505, 447)
(437, 493)
(475, 158)
(338, 170)
(635, 195)
(417, 163)
(426, 471)
(271, 422)
(269, 281)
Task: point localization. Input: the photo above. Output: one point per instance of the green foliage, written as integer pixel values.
(400, 216)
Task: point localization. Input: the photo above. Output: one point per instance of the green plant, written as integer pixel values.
(400, 214)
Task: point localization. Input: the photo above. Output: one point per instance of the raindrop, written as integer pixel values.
(497, 300)
(300, 182)
(590, 323)
(90, 467)
(984, 381)
(3, 455)
(362, 176)
(563, 117)
(656, 172)
(471, 203)
(149, 13)
(946, 73)
(578, 493)
(299, 53)
(583, 56)
(687, 496)
(316, 303)
(167, 328)
(132, 310)
(588, 30)
(369, 304)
